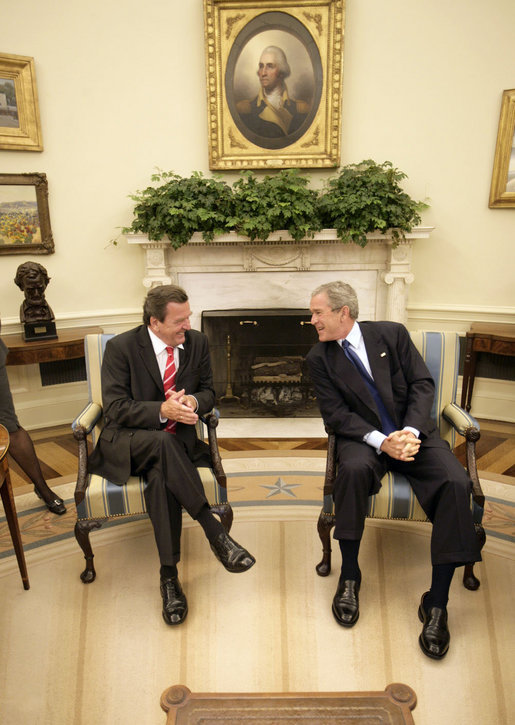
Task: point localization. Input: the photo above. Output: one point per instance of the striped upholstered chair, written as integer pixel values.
(396, 499)
(98, 500)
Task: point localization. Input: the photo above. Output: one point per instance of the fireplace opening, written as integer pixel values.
(258, 359)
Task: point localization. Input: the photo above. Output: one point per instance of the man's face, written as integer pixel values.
(330, 324)
(176, 321)
(268, 72)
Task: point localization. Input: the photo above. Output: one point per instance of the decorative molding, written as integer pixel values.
(323, 253)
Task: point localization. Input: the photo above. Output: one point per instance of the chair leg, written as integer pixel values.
(325, 524)
(470, 581)
(82, 529)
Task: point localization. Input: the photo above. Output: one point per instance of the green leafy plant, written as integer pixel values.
(273, 203)
(367, 197)
(180, 206)
(362, 198)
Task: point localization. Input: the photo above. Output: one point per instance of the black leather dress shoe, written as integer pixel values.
(175, 606)
(233, 556)
(56, 506)
(346, 603)
(435, 636)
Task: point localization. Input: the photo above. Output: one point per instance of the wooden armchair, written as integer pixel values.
(396, 499)
(99, 500)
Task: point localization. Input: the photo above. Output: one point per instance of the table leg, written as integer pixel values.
(12, 521)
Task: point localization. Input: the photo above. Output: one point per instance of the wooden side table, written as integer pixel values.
(498, 339)
(69, 345)
(6, 492)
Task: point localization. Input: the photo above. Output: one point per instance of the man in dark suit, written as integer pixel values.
(375, 391)
(156, 381)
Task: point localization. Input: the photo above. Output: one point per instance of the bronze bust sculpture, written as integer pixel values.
(37, 316)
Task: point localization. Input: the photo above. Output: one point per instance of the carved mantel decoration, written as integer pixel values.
(233, 272)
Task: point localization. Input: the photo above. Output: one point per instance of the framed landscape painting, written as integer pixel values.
(274, 82)
(24, 215)
(502, 189)
(20, 128)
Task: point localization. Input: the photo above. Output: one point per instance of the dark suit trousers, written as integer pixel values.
(439, 482)
(173, 482)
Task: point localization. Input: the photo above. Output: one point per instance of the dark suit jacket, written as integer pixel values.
(399, 372)
(132, 393)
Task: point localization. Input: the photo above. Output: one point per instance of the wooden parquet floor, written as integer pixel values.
(57, 450)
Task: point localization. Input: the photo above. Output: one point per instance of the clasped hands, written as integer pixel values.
(402, 445)
(180, 407)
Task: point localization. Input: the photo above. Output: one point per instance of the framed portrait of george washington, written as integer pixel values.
(20, 128)
(274, 82)
(502, 189)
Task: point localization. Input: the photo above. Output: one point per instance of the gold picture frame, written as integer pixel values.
(20, 128)
(24, 215)
(304, 42)
(502, 189)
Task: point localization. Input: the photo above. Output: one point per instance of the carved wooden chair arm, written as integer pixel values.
(82, 427)
(210, 420)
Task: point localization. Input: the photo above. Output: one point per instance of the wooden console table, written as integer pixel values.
(498, 339)
(69, 345)
(391, 707)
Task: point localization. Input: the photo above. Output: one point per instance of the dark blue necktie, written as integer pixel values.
(387, 424)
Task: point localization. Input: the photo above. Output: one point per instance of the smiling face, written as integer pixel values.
(172, 330)
(268, 72)
(330, 324)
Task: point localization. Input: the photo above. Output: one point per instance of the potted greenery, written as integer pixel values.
(274, 203)
(180, 206)
(367, 197)
(362, 198)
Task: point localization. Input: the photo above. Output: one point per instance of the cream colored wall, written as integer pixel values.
(122, 90)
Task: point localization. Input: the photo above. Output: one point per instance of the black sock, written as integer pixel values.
(440, 584)
(168, 572)
(350, 551)
(210, 524)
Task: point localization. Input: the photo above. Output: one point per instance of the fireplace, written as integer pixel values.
(258, 358)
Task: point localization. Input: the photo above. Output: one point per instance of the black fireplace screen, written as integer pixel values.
(258, 359)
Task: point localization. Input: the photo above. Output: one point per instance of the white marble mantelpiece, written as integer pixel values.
(233, 272)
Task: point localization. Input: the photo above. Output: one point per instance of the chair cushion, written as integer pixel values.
(395, 500)
(105, 499)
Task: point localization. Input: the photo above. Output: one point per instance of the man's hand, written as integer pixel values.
(401, 445)
(179, 407)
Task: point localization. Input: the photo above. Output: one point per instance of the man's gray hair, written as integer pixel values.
(340, 294)
(158, 298)
(280, 57)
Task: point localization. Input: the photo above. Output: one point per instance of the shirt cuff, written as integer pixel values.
(196, 402)
(415, 432)
(375, 439)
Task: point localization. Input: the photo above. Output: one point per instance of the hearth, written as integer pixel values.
(258, 359)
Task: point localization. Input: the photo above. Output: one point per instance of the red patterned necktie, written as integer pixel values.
(169, 384)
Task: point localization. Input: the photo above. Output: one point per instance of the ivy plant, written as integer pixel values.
(273, 203)
(366, 197)
(180, 206)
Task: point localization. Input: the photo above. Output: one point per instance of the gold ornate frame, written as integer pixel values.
(502, 190)
(313, 30)
(26, 136)
(12, 202)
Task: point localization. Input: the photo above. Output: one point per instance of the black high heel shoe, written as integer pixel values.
(56, 506)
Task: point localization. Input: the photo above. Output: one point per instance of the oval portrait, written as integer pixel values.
(273, 80)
